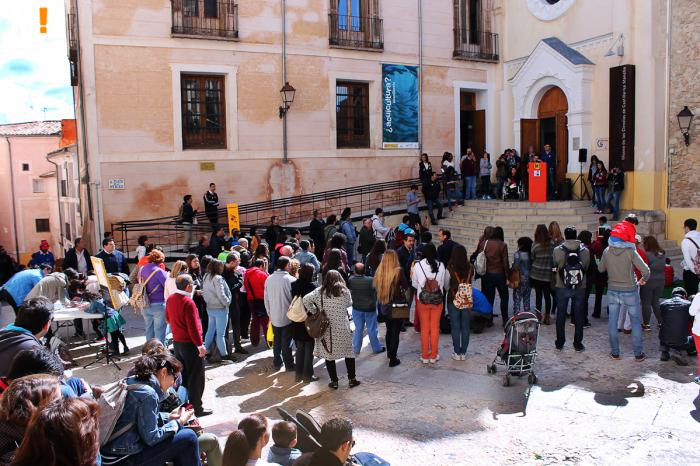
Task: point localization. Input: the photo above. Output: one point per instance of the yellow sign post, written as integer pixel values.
(234, 221)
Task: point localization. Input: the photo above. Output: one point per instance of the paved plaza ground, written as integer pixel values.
(585, 409)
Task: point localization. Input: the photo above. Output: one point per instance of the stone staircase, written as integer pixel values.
(467, 223)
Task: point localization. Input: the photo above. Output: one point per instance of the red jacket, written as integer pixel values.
(254, 282)
(668, 273)
(625, 231)
(181, 313)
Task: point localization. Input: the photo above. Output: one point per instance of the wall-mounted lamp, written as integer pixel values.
(620, 50)
(287, 92)
(685, 119)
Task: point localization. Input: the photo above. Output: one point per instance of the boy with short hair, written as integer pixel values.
(284, 435)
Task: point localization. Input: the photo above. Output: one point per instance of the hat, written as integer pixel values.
(679, 291)
(43, 244)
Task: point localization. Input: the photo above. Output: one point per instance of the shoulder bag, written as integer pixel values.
(297, 312)
(480, 263)
(139, 295)
(317, 324)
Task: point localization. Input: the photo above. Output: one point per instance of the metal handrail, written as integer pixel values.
(475, 45)
(361, 32)
(168, 232)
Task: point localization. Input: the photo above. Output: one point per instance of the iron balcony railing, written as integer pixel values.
(475, 45)
(356, 32)
(205, 18)
(297, 211)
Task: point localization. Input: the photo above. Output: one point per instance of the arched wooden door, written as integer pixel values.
(553, 128)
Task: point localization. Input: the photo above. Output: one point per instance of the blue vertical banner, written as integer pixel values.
(400, 106)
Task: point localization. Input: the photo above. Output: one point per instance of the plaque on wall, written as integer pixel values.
(621, 138)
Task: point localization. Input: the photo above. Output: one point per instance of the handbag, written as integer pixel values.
(296, 312)
(139, 296)
(399, 311)
(514, 278)
(480, 263)
(317, 324)
(430, 294)
(270, 335)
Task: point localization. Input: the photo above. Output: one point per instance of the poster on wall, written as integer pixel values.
(400, 106)
(622, 117)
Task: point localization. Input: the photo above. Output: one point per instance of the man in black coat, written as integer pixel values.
(211, 206)
(218, 242)
(78, 258)
(444, 251)
(31, 324)
(114, 260)
(316, 233)
(432, 198)
(273, 233)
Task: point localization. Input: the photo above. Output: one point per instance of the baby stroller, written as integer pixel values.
(518, 351)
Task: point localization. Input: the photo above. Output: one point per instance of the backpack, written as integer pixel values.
(112, 403)
(480, 263)
(463, 296)
(695, 265)
(572, 272)
(430, 294)
(139, 295)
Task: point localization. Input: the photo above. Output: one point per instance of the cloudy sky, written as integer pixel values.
(34, 72)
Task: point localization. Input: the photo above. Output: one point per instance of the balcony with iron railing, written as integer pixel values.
(206, 19)
(475, 45)
(356, 32)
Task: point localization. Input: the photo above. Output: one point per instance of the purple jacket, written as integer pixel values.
(156, 284)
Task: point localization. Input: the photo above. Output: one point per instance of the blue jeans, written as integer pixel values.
(181, 449)
(282, 347)
(451, 196)
(154, 317)
(599, 192)
(614, 201)
(459, 324)
(218, 318)
(362, 318)
(631, 301)
(578, 309)
(430, 204)
(350, 251)
(470, 187)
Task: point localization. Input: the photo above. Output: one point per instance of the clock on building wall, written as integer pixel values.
(547, 10)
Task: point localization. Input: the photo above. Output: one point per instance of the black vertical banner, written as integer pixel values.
(622, 81)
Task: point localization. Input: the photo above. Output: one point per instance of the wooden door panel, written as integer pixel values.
(529, 134)
(562, 146)
(479, 132)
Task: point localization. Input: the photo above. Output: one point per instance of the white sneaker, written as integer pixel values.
(425, 361)
(462, 357)
(456, 357)
(433, 361)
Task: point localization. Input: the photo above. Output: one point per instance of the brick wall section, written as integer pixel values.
(684, 90)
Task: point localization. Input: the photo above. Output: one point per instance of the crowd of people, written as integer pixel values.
(310, 298)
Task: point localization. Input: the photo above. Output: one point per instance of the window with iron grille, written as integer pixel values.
(352, 114)
(356, 24)
(42, 225)
(205, 18)
(203, 111)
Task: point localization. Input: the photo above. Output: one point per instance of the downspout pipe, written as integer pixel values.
(420, 76)
(14, 203)
(667, 109)
(283, 8)
(61, 234)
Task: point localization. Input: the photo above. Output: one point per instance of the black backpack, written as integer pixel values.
(573, 272)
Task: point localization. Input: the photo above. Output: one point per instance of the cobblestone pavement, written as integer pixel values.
(585, 409)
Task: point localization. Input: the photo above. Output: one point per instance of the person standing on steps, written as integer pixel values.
(485, 173)
(412, 201)
(690, 247)
(550, 158)
(211, 206)
(432, 198)
(469, 167)
(571, 263)
(316, 233)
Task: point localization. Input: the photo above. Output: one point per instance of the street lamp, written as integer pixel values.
(685, 118)
(287, 92)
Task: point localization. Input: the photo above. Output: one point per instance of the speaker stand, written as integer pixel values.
(583, 187)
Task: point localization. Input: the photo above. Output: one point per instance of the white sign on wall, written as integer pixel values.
(601, 143)
(116, 183)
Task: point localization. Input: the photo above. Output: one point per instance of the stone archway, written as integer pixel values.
(554, 64)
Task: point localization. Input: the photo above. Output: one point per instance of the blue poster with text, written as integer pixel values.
(400, 106)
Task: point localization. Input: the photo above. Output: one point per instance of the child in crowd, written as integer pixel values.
(522, 263)
(603, 222)
(284, 435)
(623, 234)
(668, 273)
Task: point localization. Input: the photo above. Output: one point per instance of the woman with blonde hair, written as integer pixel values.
(391, 286)
(294, 266)
(179, 268)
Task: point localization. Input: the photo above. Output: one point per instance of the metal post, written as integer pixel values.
(284, 79)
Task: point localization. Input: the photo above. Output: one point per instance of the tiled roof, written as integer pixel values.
(574, 56)
(32, 128)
